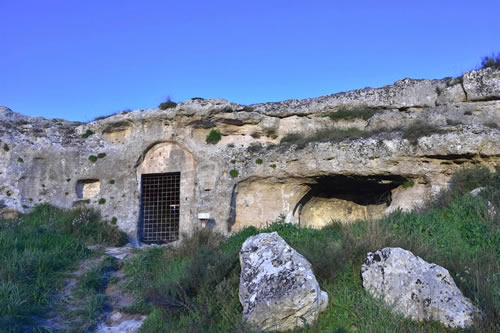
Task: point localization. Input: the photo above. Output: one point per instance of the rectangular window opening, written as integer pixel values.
(160, 207)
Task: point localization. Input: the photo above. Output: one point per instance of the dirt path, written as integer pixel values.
(72, 311)
(114, 319)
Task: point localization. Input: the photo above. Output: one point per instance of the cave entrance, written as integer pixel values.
(346, 199)
(160, 207)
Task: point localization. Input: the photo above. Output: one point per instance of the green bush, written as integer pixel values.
(214, 136)
(259, 161)
(6, 147)
(101, 155)
(492, 61)
(168, 104)
(87, 134)
(101, 201)
(20, 160)
(92, 158)
(234, 173)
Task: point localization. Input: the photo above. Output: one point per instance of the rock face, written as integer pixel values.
(101, 164)
(278, 289)
(415, 288)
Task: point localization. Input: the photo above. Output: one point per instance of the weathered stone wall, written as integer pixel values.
(48, 160)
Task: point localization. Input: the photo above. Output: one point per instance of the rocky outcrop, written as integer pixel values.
(483, 85)
(415, 288)
(100, 164)
(278, 289)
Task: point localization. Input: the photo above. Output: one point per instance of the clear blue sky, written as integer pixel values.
(85, 58)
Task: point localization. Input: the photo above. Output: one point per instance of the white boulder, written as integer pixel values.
(415, 288)
(278, 289)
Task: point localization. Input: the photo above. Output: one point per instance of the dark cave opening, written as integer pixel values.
(362, 190)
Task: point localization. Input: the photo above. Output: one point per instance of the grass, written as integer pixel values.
(213, 137)
(351, 113)
(326, 135)
(420, 129)
(35, 251)
(195, 287)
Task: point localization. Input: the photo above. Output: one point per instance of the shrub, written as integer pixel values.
(101, 155)
(92, 158)
(87, 134)
(213, 137)
(6, 147)
(408, 184)
(112, 181)
(197, 99)
(168, 104)
(234, 173)
(420, 129)
(255, 135)
(461, 183)
(350, 113)
(101, 201)
(259, 161)
(230, 145)
(273, 166)
(492, 61)
(20, 160)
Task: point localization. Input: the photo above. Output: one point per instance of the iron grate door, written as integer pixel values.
(160, 199)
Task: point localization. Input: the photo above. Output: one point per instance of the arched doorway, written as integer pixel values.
(166, 184)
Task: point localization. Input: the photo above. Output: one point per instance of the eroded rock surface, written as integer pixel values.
(416, 288)
(100, 164)
(278, 289)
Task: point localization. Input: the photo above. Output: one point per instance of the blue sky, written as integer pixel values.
(82, 59)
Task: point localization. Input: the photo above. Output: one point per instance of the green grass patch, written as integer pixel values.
(36, 249)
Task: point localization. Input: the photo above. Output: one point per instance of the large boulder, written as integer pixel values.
(278, 289)
(482, 85)
(415, 288)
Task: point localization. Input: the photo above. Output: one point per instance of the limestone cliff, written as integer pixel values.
(361, 173)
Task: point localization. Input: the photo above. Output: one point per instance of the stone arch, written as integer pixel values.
(170, 157)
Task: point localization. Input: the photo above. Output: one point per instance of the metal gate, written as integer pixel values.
(160, 199)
